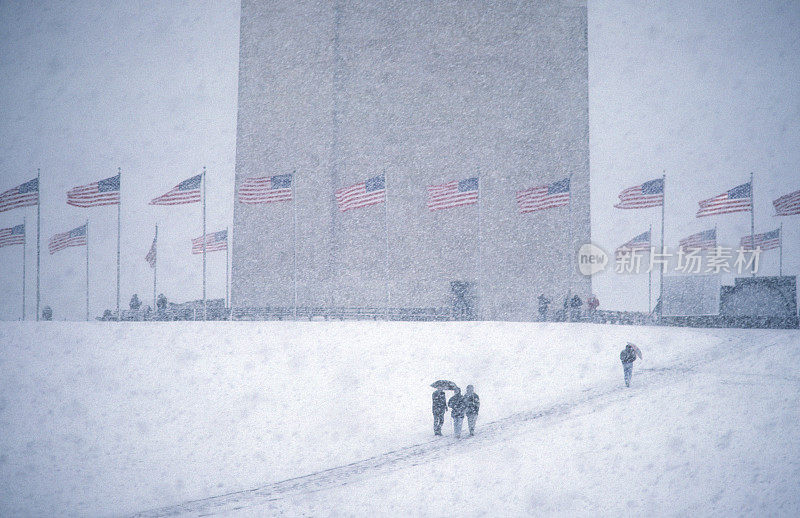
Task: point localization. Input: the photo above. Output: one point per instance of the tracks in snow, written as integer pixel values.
(489, 433)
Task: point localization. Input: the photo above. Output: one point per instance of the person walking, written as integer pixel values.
(472, 403)
(627, 356)
(543, 303)
(439, 409)
(456, 405)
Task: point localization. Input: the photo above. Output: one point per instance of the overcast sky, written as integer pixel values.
(706, 92)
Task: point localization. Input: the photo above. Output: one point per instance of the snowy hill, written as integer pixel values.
(103, 419)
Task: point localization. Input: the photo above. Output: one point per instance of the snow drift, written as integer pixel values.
(107, 419)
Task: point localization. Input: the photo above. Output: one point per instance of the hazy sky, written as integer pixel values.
(707, 92)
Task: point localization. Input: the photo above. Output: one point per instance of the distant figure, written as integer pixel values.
(575, 303)
(439, 409)
(627, 357)
(592, 303)
(456, 405)
(543, 303)
(472, 404)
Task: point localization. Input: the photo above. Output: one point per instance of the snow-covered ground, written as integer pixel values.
(105, 419)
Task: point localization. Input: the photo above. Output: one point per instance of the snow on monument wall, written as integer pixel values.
(423, 92)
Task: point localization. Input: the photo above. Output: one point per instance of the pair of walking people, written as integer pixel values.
(460, 405)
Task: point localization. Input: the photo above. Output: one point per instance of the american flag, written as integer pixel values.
(188, 191)
(453, 194)
(75, 237)
(370, 192)
(706, 240)
(765, 241)
(215, 241)
(787, 205)
(738, 199)
(544, 197)
(640, 242)
(266, 189)
(649, 194)
(96, 194)
(151, 255)
(12, 236)
(24, 195)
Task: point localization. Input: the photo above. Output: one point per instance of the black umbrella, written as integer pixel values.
(444, 385)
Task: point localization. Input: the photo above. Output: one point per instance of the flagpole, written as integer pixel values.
(661, 269)
(752, 220)
(24, 245)
(38, 240)
(294, 239)
(480, 249)
(87, 269)
(204, 242)
(570, 249)
(119, 211)
(780, 251)
(386, 232)
(227, 247)
(650, 278)
(155, 269)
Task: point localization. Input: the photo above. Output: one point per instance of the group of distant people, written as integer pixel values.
(572, 306)
(469, 404)
(460, 405)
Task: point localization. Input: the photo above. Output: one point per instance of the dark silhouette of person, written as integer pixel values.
(439, 409)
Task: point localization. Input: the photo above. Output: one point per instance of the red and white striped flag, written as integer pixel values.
(151, 255)
(788, 204)
(96, 194)
(266, 189)
(215, 241)
(24, 195)
(640, 242)
(364, 194)
(738, 199)
(453, 194)
(649, 194)
(543, 197)
(766, 241)
(188, 191)
(75, 237)
(706, 240)
(12, 236)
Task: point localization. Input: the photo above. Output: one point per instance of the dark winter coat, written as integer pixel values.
(576, 302)
(543, 303)
(439, 402)
(627, 355)
(457, 406)
(472, 404)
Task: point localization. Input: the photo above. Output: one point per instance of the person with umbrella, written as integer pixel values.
(439, 409)
(627, 356)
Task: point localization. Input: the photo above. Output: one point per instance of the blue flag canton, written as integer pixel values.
(190, 184)
(644, 237)
(741, 191)
(29, 186)
(653, 187)
(222, 235)
(470, 184)
(773, 234)
(281, 181)
(558, 187)
(109, 184)
(78, 232)
(375, 183)
(18, 230)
